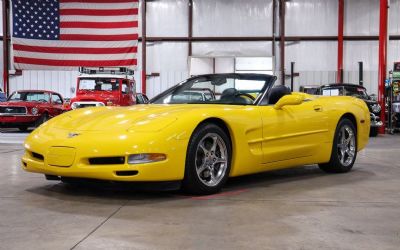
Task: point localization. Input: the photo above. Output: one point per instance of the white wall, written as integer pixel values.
(232, 18)
(311, 17)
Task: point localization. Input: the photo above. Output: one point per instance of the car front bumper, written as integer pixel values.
(72, 157)
(13, 121)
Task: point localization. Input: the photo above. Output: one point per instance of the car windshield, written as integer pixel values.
(30, 97)
(239, 89)
(355, 91)
(99, 84)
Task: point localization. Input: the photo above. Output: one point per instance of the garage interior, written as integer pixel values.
(302, 43)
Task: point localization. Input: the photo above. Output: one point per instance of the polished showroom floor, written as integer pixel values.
(300, 208)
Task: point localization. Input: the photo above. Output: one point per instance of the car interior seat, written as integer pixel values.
(277, 93)
(228, 94)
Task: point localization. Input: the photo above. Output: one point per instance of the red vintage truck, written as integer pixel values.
(104, 87)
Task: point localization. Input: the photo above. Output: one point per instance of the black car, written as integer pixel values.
(358, 91)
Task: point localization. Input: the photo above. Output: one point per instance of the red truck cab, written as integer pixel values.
(102, 88)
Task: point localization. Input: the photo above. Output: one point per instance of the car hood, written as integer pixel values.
(138, 118)
(96, 96)
(19, 104)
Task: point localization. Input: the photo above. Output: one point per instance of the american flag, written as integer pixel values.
(66, 34)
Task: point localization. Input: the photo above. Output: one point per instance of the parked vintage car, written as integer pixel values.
(310, 89)
(338, 89)
(141, 98)
(3, 96)
(197, 144)
(96, 89)
(29, 108)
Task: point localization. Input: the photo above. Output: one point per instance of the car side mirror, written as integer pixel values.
(289, 100)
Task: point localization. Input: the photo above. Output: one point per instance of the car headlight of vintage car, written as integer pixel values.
(376, 108)
(74, 105)
(145, 158)
(34, 111)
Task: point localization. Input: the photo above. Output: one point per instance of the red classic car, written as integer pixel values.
(29, 108)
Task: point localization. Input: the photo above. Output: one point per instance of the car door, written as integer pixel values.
(126, 93)
(294, 131)
(56, 105)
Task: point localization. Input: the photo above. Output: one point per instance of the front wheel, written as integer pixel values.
(344, 149)
(44, 118)
(208, 160)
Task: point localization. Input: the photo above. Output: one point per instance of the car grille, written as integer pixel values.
(38, 156)
(107, 160)
(86, 105)
(13, 110)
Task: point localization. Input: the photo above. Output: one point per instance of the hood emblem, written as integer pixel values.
(72, 135)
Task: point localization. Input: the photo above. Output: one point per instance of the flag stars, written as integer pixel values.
(36, 19)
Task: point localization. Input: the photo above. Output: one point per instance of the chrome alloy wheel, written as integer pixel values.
(346, 146)
(211, 159)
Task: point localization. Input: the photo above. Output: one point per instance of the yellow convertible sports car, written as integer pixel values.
(199, 132)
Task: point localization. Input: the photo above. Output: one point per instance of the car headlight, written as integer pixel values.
(376, 108)
(34, 111)
(145, 158)
(74, 105)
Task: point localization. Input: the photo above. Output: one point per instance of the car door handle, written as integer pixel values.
(318, 108)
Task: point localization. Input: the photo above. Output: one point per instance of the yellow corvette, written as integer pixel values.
(200, 132)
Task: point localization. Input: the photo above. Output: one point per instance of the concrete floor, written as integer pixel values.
(301, 208)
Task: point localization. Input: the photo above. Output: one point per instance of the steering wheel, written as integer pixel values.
(246, 95)
(42, 100)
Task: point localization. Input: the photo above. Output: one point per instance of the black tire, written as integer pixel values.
(44, 118)
(195, 183)
(335, 164)
(23, 128)
(373, 132)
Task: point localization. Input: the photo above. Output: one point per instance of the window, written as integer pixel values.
(125, 87)
(56, 99)
(30, 96)
(99, 84)
(225, 89)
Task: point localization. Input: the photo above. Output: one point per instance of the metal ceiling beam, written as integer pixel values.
(265, 39)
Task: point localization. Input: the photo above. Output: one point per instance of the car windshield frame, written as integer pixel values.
(186, 85)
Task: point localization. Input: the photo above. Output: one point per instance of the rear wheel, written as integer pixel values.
(208, 160)
(374, 132)
(344, 149)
